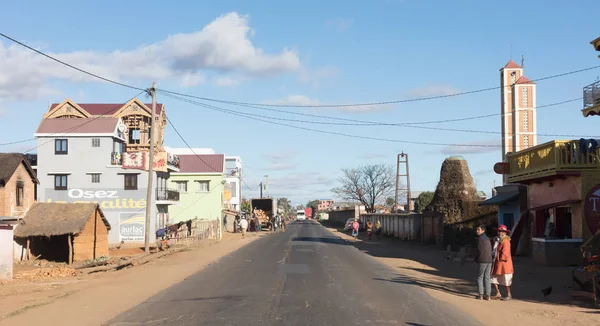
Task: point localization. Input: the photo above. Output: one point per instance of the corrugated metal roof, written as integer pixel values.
(77, 126)
(202, 163)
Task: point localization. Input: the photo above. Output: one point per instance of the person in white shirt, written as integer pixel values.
(244, 226)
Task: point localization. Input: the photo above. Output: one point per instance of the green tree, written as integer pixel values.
(313, 203)
(390, 202)
(423, 200)
(285, 206)
(245, 205)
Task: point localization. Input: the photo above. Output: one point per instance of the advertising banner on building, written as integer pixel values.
(139, 161)
(125, 210)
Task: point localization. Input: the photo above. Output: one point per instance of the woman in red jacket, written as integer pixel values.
(502, 272)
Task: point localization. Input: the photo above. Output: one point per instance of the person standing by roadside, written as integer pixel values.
(243, 227)
(225, 223)
(369, 229)
(484, 258)
(355, 227)
(503, 270)
(378, 229)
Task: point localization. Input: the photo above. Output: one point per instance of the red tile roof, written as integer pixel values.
(512, 65)
(77, 126)
(105, 109)
(206, 163)
(524, 80)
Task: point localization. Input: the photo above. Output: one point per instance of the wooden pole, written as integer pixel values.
(27, 254)
(70, 249)
(150, 193)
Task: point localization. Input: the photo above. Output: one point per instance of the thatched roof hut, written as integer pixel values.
(455, 190)
(61, 231)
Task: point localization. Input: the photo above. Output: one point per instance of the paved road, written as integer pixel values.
(305, 276)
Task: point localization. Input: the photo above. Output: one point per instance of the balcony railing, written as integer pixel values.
(591, 95)
(552, 158)
(116, 158)
(167, 194)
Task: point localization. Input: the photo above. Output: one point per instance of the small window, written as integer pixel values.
(233, 189)
(61, 147)
(181, 186)
(20, 193)
(131, 181)
(203, 186)
(95, 142)
(60, 182)
(95, 177)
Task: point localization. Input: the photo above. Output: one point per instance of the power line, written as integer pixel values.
(215, 108)
(69, 65)
(373, 103)
(287, 105)
(366, 123)
(188, 145)
(377, 123)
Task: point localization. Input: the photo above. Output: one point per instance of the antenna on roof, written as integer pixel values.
(522, 61)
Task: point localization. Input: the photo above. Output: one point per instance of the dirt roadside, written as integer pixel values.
(449, 280)
(94, 299)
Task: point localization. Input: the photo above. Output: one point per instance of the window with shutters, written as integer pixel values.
(131, 181)
(60, 182)
(181, 186)
(203, 186)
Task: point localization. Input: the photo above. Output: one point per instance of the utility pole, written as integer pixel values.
(407, 175)
(267, 185)
(261, 186)
(149, 192)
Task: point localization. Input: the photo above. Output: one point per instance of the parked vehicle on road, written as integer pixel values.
(300, 216)
(268, 206)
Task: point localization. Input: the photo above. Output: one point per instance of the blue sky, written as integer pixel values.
(306, 52)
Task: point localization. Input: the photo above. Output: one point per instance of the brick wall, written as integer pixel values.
(8, 194)
(92, 242)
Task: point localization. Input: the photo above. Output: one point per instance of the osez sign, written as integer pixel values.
(108, 199)
(591, 208)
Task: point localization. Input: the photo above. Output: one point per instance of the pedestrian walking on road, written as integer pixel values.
(244, 227)
(355, 227)
(369, 229)
(378, 230)
(502, 272)
(225, 223)
(484, 258)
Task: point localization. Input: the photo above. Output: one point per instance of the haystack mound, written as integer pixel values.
(454, 191)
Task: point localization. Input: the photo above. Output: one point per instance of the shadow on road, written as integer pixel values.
(431, 267)
(331, 240)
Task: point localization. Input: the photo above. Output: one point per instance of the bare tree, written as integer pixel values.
(370, 184)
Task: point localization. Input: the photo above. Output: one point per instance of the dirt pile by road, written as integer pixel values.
(46, 272)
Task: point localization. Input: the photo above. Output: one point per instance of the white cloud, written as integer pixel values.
(227, 81)
(433, 90)
(314, 77)
(303, 100)
(340, 23)
(223, 45)
(473, 148)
